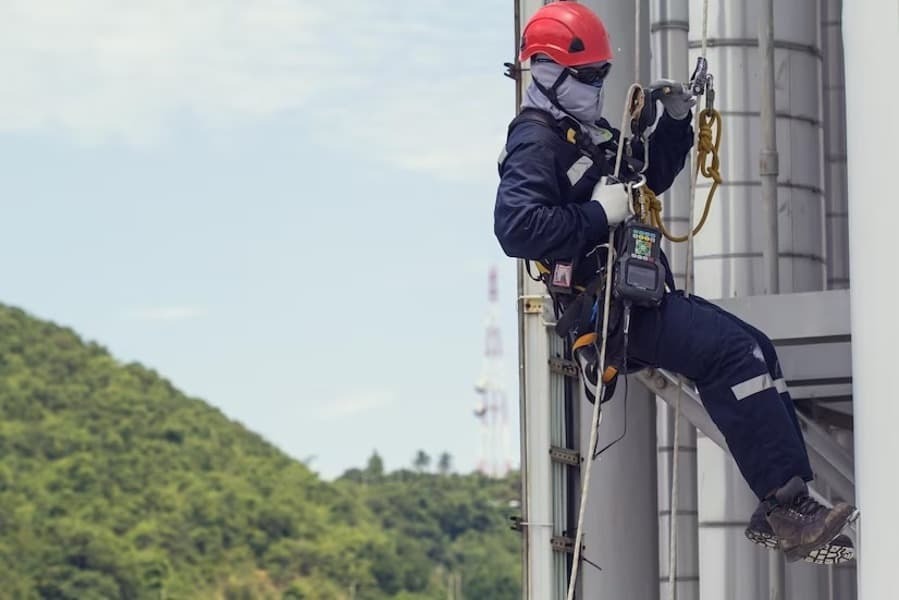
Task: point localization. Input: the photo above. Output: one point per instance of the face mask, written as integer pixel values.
(581, 100)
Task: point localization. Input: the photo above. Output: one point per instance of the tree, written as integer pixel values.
(113, 484)
(445, 463)
(422, 461)
(375, 467)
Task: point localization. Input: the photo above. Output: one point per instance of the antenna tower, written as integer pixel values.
(491, 408)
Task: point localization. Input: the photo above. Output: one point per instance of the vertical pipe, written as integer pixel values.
(536, 423)
(870, 36)
(834, 104)
(536, 417)
(768, 159)
(669, 26)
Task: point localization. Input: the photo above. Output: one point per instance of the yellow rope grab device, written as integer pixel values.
(648, 206)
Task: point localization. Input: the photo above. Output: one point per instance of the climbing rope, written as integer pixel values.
(707, 163)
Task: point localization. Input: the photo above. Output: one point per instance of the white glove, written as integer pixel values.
(676, 99)
(614, 199)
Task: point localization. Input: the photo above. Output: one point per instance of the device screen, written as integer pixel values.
(641, 277)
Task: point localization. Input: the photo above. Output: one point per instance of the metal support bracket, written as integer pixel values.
(560, 366)
(561, 543)
(516, 523)
(830, 463)
(565, 456)
(531, 305)
(768, 163)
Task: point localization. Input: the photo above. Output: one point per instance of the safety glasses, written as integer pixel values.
(594, 76)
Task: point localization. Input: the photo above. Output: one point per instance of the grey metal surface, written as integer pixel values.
(620, 530)
(831, 462)
(795, 316)
(834, 107)
(687, 569)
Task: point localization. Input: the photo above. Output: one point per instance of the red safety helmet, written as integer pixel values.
(568, 32)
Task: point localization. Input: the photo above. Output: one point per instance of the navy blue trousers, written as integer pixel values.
(737, 373)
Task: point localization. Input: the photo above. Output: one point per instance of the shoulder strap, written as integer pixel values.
(562, 128)
(567, 129)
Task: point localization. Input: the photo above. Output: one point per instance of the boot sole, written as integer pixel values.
(828, 554)
(801, 552)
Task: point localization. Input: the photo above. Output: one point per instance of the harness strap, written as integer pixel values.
(567, 128)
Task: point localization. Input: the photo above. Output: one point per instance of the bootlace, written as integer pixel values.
(807, 505)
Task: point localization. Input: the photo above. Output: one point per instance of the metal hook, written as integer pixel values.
(710, 93)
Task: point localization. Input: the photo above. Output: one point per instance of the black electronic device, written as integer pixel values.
(639, 272)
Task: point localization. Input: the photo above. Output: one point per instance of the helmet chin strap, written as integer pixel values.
(551, 94)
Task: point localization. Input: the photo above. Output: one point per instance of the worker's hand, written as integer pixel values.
(674, 96)
(614, 199)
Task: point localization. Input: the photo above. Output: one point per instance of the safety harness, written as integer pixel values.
(579, 308)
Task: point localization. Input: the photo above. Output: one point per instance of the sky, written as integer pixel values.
(282, 206)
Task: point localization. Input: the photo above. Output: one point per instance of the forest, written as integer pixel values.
(114, 484)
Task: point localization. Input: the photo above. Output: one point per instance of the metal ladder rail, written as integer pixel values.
(831, 463)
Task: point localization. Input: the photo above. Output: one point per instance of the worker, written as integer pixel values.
(556, 202)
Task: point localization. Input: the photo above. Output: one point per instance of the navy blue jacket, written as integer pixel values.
(543, 209)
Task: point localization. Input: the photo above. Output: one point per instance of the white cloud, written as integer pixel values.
(452, 128)
(104, 69)
(407, 82)
(167, 313)
(356, 403)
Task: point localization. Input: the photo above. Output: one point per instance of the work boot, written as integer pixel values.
(838, 550)
(801, 524)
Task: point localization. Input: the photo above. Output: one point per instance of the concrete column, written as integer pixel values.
(621, 521)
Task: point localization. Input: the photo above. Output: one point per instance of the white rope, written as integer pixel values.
(688, 288)
(637, 30)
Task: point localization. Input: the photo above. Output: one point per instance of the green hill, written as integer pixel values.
(113, 484)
